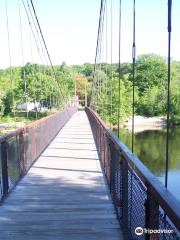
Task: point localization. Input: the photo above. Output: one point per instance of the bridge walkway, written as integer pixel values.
(64, 195)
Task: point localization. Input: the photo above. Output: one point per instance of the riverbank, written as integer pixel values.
(142, 123)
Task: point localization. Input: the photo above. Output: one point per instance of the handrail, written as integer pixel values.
(155, 190)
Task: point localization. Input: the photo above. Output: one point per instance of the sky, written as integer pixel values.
(70, 30)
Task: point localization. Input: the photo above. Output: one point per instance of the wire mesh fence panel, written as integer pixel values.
(136, 204)
(27, 146)
(13, 160)
(116, 180)
(168, 229)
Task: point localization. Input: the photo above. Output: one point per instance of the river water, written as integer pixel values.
(150, 147)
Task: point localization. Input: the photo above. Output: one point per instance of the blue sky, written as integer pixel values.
(70, 30)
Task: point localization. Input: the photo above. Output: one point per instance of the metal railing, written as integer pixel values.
(141, 201)
(20, 148)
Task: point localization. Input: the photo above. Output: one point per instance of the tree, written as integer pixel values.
(151, 70)
(88, 69)
(63, 66)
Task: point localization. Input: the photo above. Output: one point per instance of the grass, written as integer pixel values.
(9, 118)
(22, 116)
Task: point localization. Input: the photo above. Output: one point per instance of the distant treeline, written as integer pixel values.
(39, 83)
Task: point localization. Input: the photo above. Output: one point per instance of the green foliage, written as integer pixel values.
(2, 106)
(88, 69)
(151, 70)
(108, 98)
(152, 103)
(150, 89)
(175, 91)
(34, 83)
(151, 80)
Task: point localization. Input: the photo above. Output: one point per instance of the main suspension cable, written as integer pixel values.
(103, 80)
(42, 35)
(100, 62)
(119, 78)
(46, 49)
(30, 24)
(133, 70)
(168, 91)
(36, 29)
(22, 52)
(41, 45)
(94, 97)
(111, 78)
(10, 59)
(106, 61)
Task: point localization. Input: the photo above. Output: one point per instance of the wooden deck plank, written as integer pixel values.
(64, 195)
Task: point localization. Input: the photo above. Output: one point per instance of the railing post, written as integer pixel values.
(152, 215)
(22, 153)
(4, 159)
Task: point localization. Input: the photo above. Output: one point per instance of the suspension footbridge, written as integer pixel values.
(67, 175)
